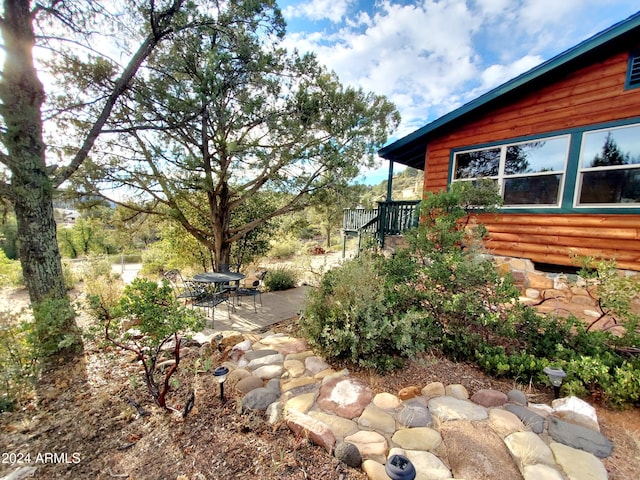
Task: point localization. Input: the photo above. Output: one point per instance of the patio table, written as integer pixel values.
(219, 293)
(218, 277)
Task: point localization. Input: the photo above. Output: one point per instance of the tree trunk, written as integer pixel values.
(222, 251)
(31, 190)
(221, 221)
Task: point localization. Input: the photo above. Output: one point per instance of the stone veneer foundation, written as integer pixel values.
(538, 285)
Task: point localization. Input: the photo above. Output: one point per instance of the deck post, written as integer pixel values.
(344, 244)
(390, 181)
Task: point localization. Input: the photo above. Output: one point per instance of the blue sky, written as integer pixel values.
(431, 56)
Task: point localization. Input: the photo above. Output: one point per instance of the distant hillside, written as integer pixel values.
(406, 185)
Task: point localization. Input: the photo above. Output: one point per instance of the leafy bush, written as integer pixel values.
(280, 279)
(70, 276)
(54, 331)
(285, 248)
(103, 291)
(348, 317)
(10, 271)
(444, 293)
(157, 317)
(19, 368)
(613, 293)
(156, 259)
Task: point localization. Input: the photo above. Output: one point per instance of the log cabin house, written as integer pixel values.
(562, 141)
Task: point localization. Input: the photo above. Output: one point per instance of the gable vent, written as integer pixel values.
(634, 70)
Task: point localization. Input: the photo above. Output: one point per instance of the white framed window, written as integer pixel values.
(609, 170)
(529, 173)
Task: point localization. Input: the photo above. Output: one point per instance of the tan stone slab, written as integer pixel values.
(374, 470)
(313, 429)
(418, 438)
(386, 401)
(341, 427)
(301, 403)
(295, 368)
(377, 419)
(295, 383)
(474, 450)
(371, 445)
(527, 448)
(504, 423)
(578, 464)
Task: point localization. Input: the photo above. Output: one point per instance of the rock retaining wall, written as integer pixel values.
(538, 285)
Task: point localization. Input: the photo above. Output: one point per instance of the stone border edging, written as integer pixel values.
(441, 429)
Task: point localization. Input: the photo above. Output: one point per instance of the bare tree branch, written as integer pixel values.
(161, 27)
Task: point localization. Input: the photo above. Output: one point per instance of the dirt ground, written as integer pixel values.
(81, 425)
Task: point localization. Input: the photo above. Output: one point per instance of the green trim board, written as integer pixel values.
(410, 149)
(571, 172)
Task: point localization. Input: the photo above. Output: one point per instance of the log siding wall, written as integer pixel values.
(589, 96)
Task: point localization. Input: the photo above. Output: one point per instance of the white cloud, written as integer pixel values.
(498, 74)
(333, 10)
(416, 55)
(431, 56)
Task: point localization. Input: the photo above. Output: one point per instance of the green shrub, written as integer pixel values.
(614, 293)
(155, 260)
(19, 367)
(70, 276)
(280, 279)
(625, 387)
(444, 293)
(348, 317)
(10, 271)
(103, 292)
(54, 330)
(285, 248)
(157, 317)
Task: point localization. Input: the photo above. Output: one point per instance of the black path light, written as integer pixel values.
(220, 374)
(399, 467)
(556, 376)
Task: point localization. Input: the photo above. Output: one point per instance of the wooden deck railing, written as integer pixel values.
(390, 218)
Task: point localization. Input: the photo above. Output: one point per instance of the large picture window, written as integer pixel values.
(528, 173)
(610, 167)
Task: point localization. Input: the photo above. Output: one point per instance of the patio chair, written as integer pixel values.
(184, 289)
(255, 290)
(211, 300)
(230, 287)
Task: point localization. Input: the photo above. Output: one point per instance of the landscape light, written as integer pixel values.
(220, 374)
(399, 467)
(556, 376)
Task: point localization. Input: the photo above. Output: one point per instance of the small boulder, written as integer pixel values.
(434, 389)
(408, 393)
(349, 454)
(518, 397)
(529, 418)
(345, 396)
(489, 398)
(457, 390)
(315, 430)
(245, 385)
(580, 437)
(259, 399)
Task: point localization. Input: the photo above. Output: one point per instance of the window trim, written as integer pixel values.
(581, 170)
(501, 177)
(571, 177)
